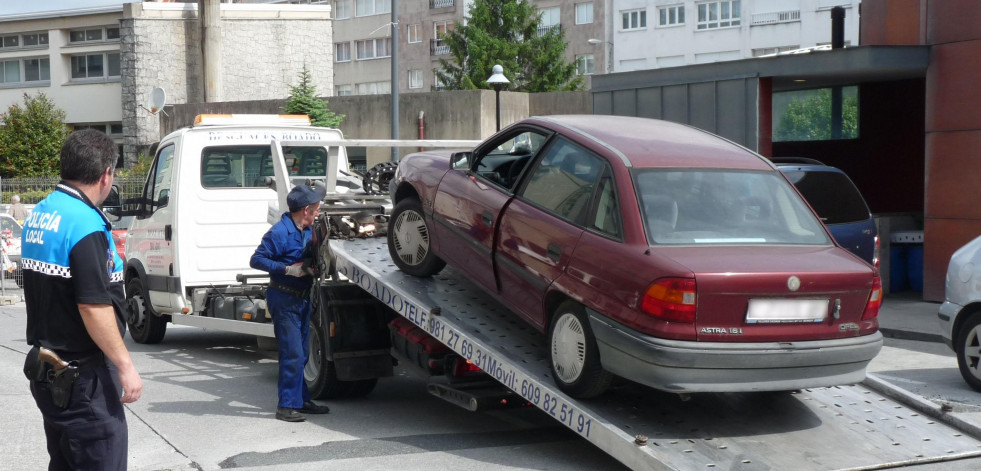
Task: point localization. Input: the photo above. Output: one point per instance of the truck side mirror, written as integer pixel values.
(112, 204)
(164, 198)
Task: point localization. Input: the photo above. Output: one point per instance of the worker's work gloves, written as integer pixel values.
(298, 270)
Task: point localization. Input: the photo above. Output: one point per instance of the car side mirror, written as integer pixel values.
(461, 160)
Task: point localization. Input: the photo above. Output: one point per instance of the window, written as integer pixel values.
(342, 52)
(634, 19)
(344, 90)
(248, 166)
(93, 35)
(156, 193)
(584, 13)
(438, 45)
(584, 64)
(671, 16)
(805, 115)
(95, 66)
(413, 34)
(24, 41)
(342, 9)
(504, 163)
(372, 7)
(549, 16)
(35, 70)
(112, 129)
(564, 180)
(768, 51)
(375, 88)
(374, 48)
(713, 15)
(415, 78)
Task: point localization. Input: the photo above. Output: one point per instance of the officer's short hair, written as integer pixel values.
(86, 155)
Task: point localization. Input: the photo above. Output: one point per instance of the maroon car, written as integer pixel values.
(645, 249)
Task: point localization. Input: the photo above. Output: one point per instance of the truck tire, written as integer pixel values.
(319, 373)
(409, 240)
(967, 345)
(145, 326)
(574, 355)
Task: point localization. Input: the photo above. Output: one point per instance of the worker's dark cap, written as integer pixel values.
(301, 196)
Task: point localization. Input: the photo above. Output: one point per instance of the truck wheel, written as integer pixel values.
(967, 345)
(408, 240)
(145, 326)
(319, 373)
(575, 357)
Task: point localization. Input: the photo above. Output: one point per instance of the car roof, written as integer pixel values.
(644, 142)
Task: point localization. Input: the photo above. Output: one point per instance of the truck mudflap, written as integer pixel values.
(849, 427)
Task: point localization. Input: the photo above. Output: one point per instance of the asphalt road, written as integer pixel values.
(209, 399)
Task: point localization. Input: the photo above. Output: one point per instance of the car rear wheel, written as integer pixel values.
(408, 240)
(968, 348)
(574, 355)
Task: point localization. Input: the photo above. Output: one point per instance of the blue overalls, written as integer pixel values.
(282, 246)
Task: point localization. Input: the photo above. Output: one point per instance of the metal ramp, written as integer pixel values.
(849, 427)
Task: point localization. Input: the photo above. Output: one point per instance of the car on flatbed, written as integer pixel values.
(960, 314)
(644, 249)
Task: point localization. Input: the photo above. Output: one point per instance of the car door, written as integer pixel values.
(468, 202)
(541, 227)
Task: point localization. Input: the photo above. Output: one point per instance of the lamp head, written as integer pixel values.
(497, 78)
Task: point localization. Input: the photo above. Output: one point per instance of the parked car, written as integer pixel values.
(645, 249)
(837, 202)
(10, 231)
(960, 314)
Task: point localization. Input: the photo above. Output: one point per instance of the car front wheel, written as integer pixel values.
(574, 355)
(967, 345)
(408, 240)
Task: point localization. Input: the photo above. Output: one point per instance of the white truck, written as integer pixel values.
(208, 201)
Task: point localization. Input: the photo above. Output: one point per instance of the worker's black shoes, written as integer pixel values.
(311, 407)
(289, 415)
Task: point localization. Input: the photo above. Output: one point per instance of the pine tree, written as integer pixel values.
(31, 138)
(506, 32)
(303, 100)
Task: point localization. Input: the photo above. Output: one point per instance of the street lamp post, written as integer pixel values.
(498, 80)
(609, 57)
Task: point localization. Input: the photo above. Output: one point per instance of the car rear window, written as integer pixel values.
(697, 206)
(832, 195)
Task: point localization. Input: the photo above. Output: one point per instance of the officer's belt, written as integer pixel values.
(290, 290)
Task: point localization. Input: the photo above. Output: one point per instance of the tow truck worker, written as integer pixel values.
(288, 298)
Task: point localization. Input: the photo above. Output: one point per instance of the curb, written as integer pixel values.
(920, 404)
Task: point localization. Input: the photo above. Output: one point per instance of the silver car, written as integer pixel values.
(960, 314)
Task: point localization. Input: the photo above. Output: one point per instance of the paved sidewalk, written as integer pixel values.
(917, 369)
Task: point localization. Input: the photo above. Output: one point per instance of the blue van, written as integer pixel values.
(837, 201)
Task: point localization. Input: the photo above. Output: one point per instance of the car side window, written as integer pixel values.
(606, 218)
(156, 193)
(563, 180)
(506, 160)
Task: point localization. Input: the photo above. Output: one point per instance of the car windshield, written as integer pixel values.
(697, 206)
(832, 195)
(9, 224)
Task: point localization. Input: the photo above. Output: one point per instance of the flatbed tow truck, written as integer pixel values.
(477, 354)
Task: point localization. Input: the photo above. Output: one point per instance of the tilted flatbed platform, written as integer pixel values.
(847, 427)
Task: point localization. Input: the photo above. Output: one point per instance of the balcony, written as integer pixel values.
(544, 29)
(775, 17)
(438, 47)
(441, 3)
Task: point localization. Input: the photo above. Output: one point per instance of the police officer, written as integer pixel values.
(74, 294)
(288, 298)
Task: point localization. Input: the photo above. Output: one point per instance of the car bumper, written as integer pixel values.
(687, 367)
(946, 316)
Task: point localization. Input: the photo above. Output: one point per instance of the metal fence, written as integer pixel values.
(31, 191)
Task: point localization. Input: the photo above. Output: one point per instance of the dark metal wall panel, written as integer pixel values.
(732, 111)
(625, 102)
(675, 103)
(702, 105)
(603, 103)
(649, 102)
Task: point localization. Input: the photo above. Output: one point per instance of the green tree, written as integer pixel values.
(31, 138)
(303, 99)
(506, 32)
(809, 119)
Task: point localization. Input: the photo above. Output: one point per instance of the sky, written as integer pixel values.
(17, 7)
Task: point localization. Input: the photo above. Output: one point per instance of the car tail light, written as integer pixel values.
(671, 299)
(875, 253)
(875, 300)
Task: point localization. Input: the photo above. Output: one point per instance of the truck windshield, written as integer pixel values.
(248, 166)
(696, 206)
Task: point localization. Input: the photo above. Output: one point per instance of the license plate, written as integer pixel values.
(786, 310)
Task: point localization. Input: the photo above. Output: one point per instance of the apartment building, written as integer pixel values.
(653, 34)
(363, 40)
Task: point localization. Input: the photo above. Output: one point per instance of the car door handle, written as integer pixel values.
(554, 251)
(487, 218)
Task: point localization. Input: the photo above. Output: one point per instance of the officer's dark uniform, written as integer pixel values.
(68, 259)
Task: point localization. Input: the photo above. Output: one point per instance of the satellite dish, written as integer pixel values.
(158, 97)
